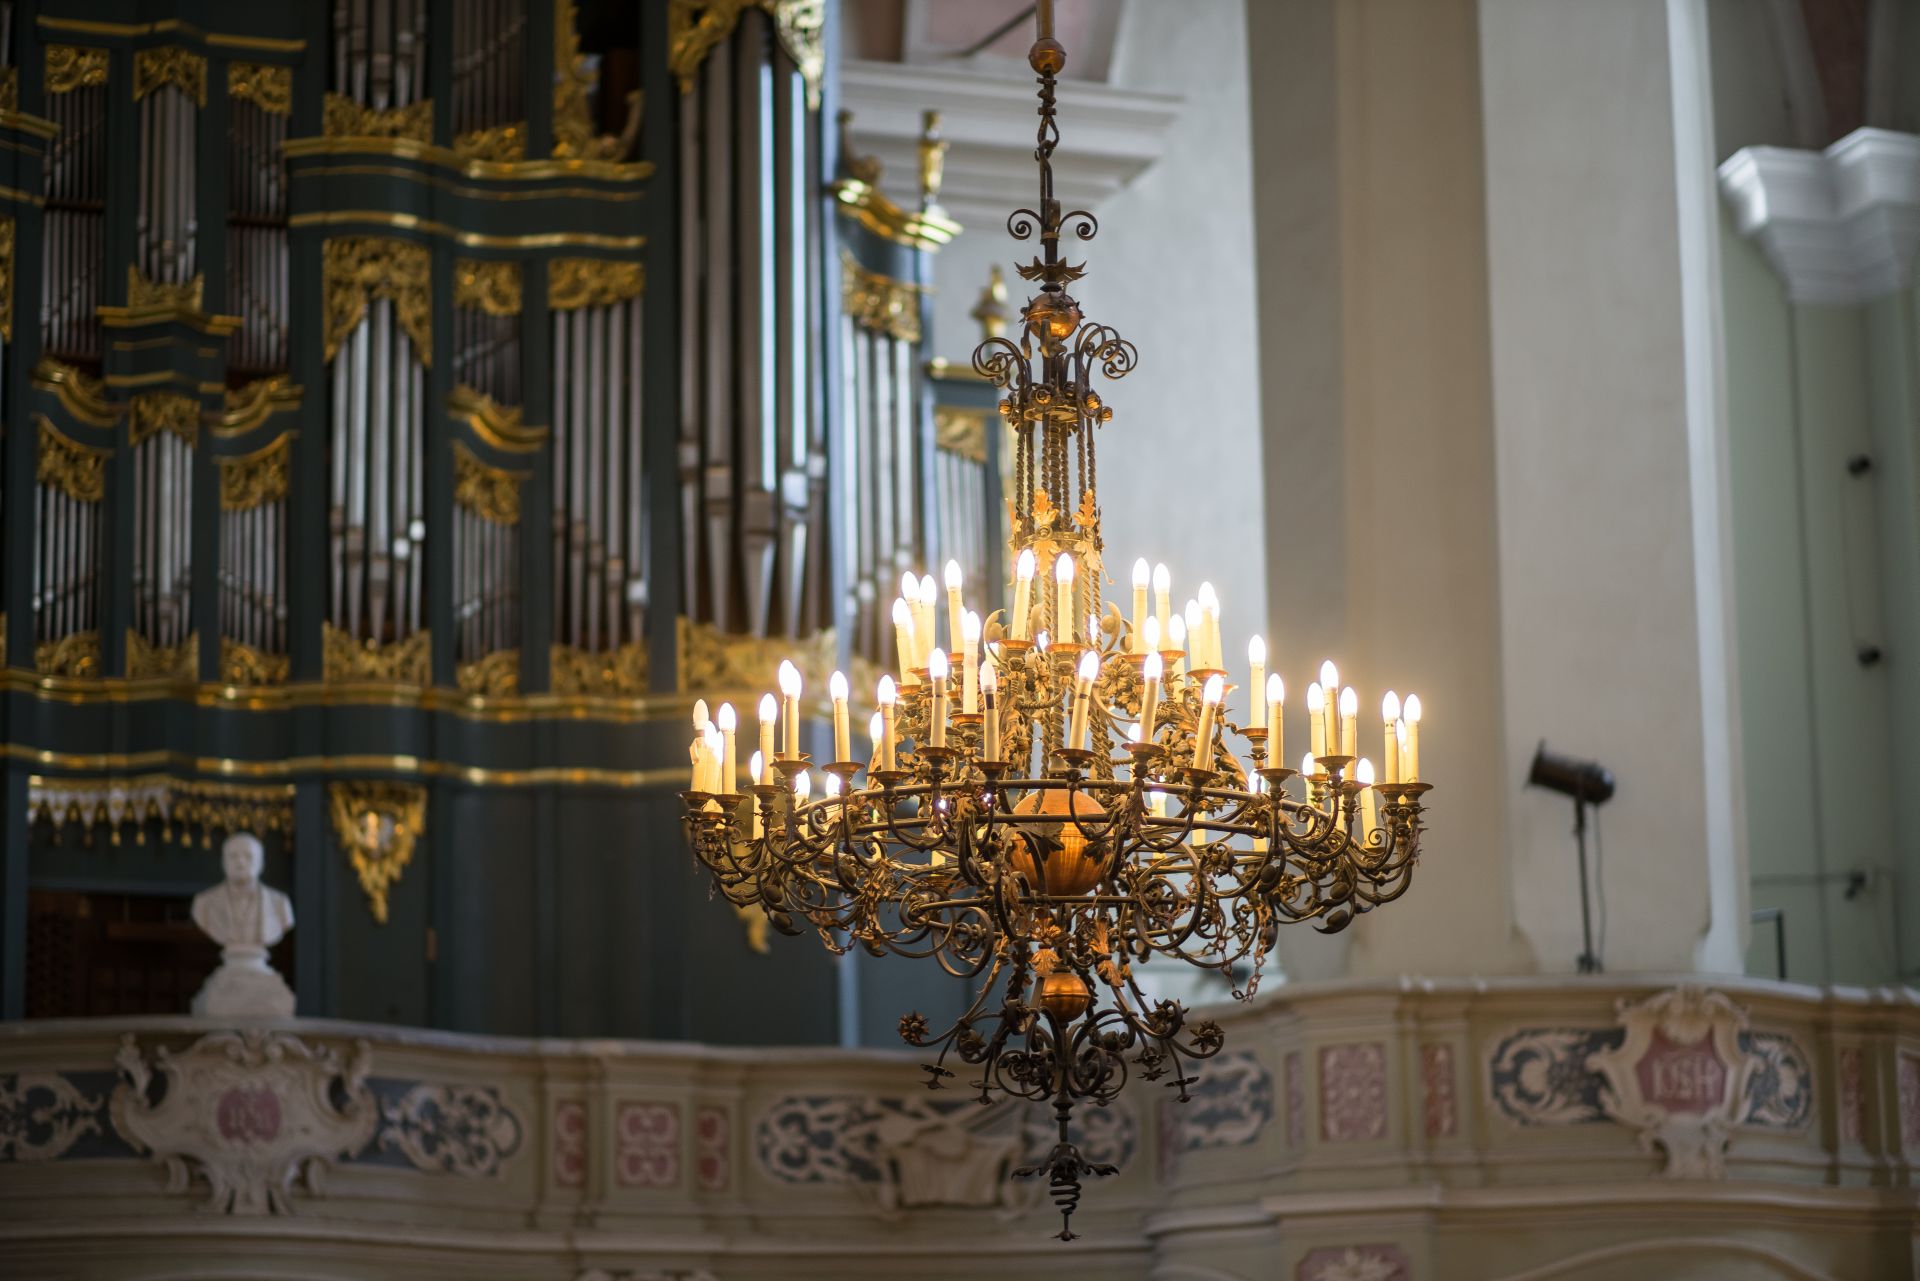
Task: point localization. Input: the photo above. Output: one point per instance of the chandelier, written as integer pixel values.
(1054, 798)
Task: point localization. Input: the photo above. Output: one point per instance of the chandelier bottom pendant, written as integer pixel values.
(1062, 792)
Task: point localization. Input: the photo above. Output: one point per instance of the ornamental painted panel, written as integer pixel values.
(1296, 1101)
(1353, 1092)
(1852, 1098)
(1780, 1090)
(1679, 1077)
(450, 1129)
(1909, 1083)
(1228, 1107)
(569, 1149)
(1438, 1108)
(1355, 1263)
(646, 1145)
(43, 1114)
(713, 1149)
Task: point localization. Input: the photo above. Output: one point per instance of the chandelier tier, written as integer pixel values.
(1054, 798)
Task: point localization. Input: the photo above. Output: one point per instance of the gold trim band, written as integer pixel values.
(429, 227)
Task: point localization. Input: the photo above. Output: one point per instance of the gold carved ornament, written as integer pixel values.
(405, 662)
(10, 89)
(879, 303)
(711, 659)
(75, 655)
(71, 67)
(268, 87)
(342, 117)
(611, 673)
(593, 282)
(142, 292)
(502, 143)
(246, 407)
(83, 397)
(6, 279)
(491, 493)
(496, 675)
(147, 661)
(248, 480)
(961, 431)
(76, 470)
(243, 665)
(497, 425)
(377, 824)
(573, 135)
(171, 65)
(490, 285)
(138, 800)
(357, 268)
(695, 27)
(168, 411)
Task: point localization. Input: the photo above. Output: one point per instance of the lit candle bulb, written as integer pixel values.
(1082, 694)
(970, 662)
(889, 741)
(1257, 664)
(833, 785)
(1022, 592)
(1369, 800)
(1210, 695)
(1151, 644)
(1040, 642)
(1162, 596)
(1257, 786)
(937, 721)
(1177, 641)
(755, 764)
(1063, 597)
(1150, 674)
(990, 722)
(790, 709)
(1276, 720)
(1349, 721)
(1330, 728)
(1196, 636)
(714, 748)
(1316, 719)
(956, 611)
(730, 759)
(1208, 650)
(842, 731)
(1411, 763)
(1389, 713)
(903, 636)
(923, 626)
(1400, 745)
(803, 785)
(769, 713)
(877, 731)
(1308, 768)
(1141, 574)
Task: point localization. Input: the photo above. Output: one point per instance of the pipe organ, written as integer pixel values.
(353, 473)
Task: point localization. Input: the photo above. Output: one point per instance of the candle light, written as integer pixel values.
(803, 785)
(1022, 592)
(713, 746)
(877, 731)
(1210, 695)
(1040, 642)
(970, 662)
(1208, 652)
(903, 640)
(1389, 713)
(1308, 768)
(1330, 728)
(937, 722)
(755, 764)
(1063, 597)
(1411, 763)
(1177, 640)
(842, 732)
(1152, 643)
(1082, 694)
(1349, 721)
(1149, 695)
(1316, 720)
(1276, 720)
(1162, 596)
(730, 767)
(1141, 574)
(956, 611)
(1369, 799)
(1257, 662)
(1400, 745)
(888, 734)
(790, 710)
(769, 713)
(923, 627)
(990, 727)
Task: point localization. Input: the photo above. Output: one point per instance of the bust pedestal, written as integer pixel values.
(244, 985)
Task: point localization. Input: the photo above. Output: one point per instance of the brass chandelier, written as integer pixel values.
(1054, 798)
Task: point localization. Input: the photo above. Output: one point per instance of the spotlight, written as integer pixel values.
(1588, 783)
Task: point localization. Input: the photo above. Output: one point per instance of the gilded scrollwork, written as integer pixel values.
(187, 296)
(168, 411)
(268, 87)
(491, 285)
(695, 27)
(497, 675)
(357, 268)
(879, 303)
(6, 279)
(377, 823)
(71, 67)
(593, 282)
(10, 89)
(245, 666)
(489, 492)
(147, 661)
(497, 425)
(961, 431)
(608, 673)
(573, 133)
(342, 117)
(170, 65)
(76, 470)
(502, 143)
(248, 480)
(83, 397)
(711, 659)
(407, 662)
(74, 655)
(248, 406)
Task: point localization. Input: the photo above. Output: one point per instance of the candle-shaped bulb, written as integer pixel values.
(836, 688)
(1308, 768)
(1363, 772)
(1390, 707)
(1141, 573)
(1162, 580)
(700, 717)
(1349, 703)
(1177, 632)
(803, 785)
(1089, 667)
(902, 612)
(888, 691)
(842, 730)
(1316, 720)
(1256, 652)
(989, 681)
(727, 720)
(970, 627)
(1412, 710)
(909, 586)
(1316, 698)
(1213, 690)
(1153, 668)
(1329, 677)
(927, 590)
(953, 575)
(1063, 567)
(833, 785)
(1209, 599)
(1023, 566)
(1276, 689)
(757, 766)
(789, 678)
(876, 730)
(937, 665)
(1192, 616)
(769, 709)
(1152, 633)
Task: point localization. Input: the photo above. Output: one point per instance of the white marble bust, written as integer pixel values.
(245, 918)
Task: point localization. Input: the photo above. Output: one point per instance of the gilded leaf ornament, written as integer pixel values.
(502, 143)
(76, 470)
(357, 268)
(243, 665)
(168, 411)
(147, 661)
(10, 89)
(491, 493)
(246, 407)
(268, 87)
(71, 67)
(593, 282)
(248, 480)
(496, 675)
(170, 65)
(696, 27)
(711, 659)
(187, 296)
(377, 824)
(879, 303)
(406, 662)
(609, 673)
(342, 117)
(491, 285)
(573, 83)
(961, 431)
(497, 425)
(82, 396)
(75, 655)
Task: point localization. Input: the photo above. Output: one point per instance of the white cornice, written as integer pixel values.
(1840, 225)
(1110, 135)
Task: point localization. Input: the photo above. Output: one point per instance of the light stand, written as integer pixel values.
(1588, 783)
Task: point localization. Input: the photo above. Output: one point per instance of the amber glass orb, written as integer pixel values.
(1071, 863)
